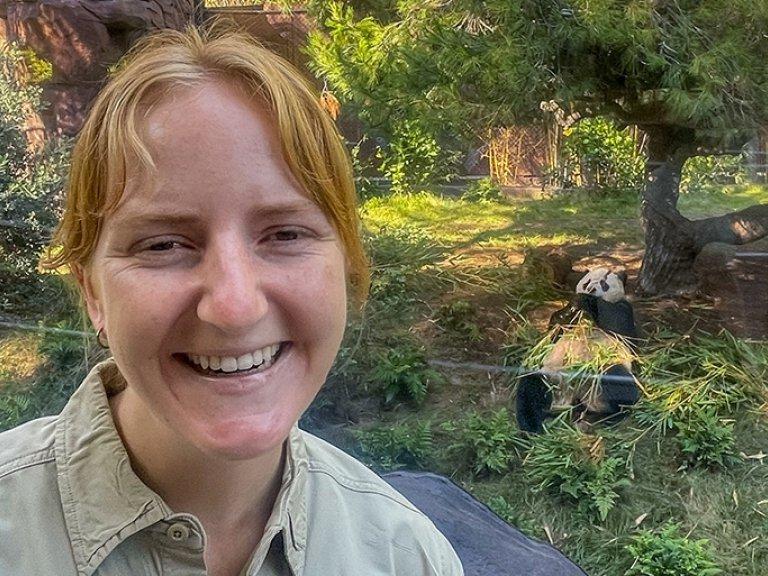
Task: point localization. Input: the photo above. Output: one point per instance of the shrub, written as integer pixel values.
(483, 190)
(598, 155)
(575, 465)
(30, 182)
(403, 372)
(701, 172)
(484, 441)
(667, 553)
(412, 159)
(398, 255)
(361, 167)
(457, 317)
(393, 447)
(706, 439)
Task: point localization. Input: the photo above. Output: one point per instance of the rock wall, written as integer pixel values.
(82, 38)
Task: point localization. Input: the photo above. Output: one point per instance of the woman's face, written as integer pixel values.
(219, 284)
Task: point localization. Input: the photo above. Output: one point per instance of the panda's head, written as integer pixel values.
(603, 283)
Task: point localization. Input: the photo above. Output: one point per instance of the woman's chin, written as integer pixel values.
(242, 439)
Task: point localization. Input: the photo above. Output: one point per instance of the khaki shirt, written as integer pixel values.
(71, 504)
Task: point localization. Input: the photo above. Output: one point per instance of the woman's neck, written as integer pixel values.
(225, 495)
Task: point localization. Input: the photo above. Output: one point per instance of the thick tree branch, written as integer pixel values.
(739, 227)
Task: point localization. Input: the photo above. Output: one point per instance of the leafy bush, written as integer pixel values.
(412, 159)
(575, 465)
(483, 190)
(598, 155)
(484, 441)
(457, 317)
(361, 166)
(701, 172)
(31, 182)
(706, 439)
(403, 372)
(398, 255)
(393, 447)
(667, 553)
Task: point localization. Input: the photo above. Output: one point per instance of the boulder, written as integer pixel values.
(81, 39)
(737, 278)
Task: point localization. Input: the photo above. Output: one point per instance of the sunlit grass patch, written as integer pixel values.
(19, 356)
(567, 219)
(447, 220)
(719, 200)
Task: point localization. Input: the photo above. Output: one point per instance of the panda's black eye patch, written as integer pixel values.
(584, 286)
(604, 285)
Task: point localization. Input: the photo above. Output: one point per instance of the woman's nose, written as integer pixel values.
(233, 298)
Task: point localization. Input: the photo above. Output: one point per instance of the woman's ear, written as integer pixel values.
(93, 303)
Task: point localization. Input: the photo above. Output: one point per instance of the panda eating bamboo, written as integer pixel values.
(585, 364)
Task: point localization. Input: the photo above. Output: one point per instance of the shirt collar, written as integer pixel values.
(104, 502)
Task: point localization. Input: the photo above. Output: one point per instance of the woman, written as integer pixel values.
(211, 225)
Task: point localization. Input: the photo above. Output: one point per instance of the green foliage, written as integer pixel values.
(412, 160)
(575, 465)
(31, 182)
(599, 156)
(458, 317)
(695, 70)
(685, 376)
(399, 446)
(706, 439)
(702, 172)
(63, 370)
(483, 190)
(484, 441)
(668, 553)
(507, 512)
(402, 372)
(38, 69)
(366, 188)
(398, 256)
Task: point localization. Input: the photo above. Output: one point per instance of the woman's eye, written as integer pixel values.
(162, 246)
(286, 235)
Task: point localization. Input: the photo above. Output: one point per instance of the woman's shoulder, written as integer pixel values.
(27, 445)
(326, 462)
(346, 500)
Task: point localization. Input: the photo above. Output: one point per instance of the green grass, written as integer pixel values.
(717, 201)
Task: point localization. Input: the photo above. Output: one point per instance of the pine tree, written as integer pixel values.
(691, 74)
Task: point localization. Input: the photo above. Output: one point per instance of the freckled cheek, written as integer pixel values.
(319, 293)
(144, 302)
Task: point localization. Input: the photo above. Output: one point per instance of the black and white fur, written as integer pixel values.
(600, 297)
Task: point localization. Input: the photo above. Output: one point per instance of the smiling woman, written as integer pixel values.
(211, 226)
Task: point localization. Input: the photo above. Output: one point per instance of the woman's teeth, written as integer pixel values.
(262, 358)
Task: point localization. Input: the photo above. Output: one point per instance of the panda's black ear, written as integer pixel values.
(622, 274)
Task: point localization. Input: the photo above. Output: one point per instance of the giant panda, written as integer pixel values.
(599, 320)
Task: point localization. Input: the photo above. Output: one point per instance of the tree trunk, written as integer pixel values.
(672, 242)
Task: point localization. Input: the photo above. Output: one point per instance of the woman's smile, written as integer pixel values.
(222, 364)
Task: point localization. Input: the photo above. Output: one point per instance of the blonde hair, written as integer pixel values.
(167, 60)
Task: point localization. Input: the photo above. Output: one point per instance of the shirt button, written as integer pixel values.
(178, 532)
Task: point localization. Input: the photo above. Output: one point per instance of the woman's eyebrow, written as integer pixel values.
(191, 218)
(138, 219)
